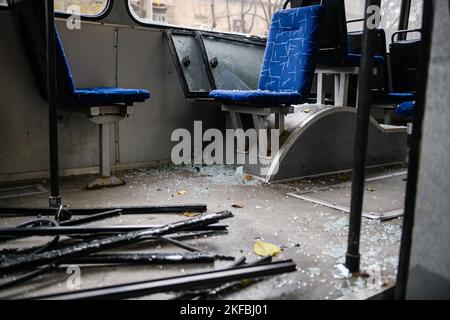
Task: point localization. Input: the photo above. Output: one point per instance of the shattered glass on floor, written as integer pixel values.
(315, 237)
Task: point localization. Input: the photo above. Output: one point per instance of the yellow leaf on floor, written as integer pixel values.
(190, 214)
(248, 177)
(182, 192)
(247, 282)
(265, 249)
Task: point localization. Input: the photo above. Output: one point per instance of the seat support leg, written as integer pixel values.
(343, 84)
(236, 120)
(341, 79)
(279, 122)
(105, 168)
(258, 122)
(336, 89)
(106, 179)
(263, 133)
(320, 88)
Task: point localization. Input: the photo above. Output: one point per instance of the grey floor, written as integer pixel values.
(313, 236)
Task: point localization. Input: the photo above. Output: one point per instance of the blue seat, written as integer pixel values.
(29, 16)
(109, 96)
(91, 97)
(289, 61)
(406, 109)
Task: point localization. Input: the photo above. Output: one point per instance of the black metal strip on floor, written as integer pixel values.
(83, 249)
(181, 236)
(188, 282)
(150, 258)
(224, 288)
(17, 211)
(97, 231)
(92, 218)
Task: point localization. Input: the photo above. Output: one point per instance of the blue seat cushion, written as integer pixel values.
(261, 98)
(406, 109)
(90, 97)
(108, 96)
(393, 97)
(400, 97)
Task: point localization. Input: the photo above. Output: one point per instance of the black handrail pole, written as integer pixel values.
(414, 152)
(405, 11)
(360, 143)
(55, 198)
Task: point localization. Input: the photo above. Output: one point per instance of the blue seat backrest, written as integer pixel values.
(289, 59)
(29, 17)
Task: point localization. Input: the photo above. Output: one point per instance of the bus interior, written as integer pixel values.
(189, 145)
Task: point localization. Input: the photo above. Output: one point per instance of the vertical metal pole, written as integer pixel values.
(360, 146)
(55, 198)
(414, 153)
(404, 18)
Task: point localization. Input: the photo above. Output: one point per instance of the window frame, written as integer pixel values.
(247, 38)
(59, 14)
(176, 59)
(100, 16)
(199, 35)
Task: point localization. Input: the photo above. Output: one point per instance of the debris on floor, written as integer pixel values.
(312, 235)
(265, 249)
(84, 246)
(190, 214)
